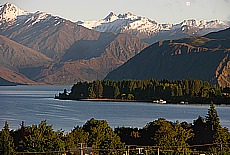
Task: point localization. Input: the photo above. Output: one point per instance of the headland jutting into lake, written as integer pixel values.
(186, 91)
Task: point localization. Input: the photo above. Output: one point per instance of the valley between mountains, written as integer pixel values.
(39, 48)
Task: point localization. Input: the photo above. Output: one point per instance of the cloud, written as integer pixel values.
(227, 1)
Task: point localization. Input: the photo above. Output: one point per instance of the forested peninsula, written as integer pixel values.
(189, 91)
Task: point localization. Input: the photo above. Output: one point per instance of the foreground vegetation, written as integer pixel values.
(203, 135)
(191, 91)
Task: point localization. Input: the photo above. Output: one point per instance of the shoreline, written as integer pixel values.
(103, 99)
(146, 101)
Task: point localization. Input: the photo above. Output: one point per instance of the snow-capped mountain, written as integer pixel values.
(48, 34)
(150, 30)
(74, 52)
(124, 22)
(203, 23)
(10, 12)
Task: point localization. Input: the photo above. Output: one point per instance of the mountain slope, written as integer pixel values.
(116, 52)
(15, 77)
(86, 54)
(4, 82)
(15, 57)
(48, 34)
(194, 57)
(151, 31)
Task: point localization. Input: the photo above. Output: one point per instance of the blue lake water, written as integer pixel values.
(32, 104)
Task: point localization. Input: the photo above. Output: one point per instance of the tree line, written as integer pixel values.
(189, 90)
(204, 134)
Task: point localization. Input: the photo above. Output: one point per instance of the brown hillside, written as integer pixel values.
(16, 56)
(202, 58)
(14, 76)
(116, 53)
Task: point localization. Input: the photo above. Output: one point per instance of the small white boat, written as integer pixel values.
(159, 101)
(183, 102)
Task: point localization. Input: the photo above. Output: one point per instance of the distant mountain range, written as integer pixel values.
(151, 31)
(206, 58)
(75, 52)
(38, 48)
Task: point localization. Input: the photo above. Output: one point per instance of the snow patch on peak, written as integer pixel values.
(111, 17)
(128, 15)
(9, 12)
(122, 23)
(39, 17)
(203, 23)
(143, 27)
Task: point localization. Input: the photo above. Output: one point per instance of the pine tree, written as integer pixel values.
(6, 141)
(116, 92)
(19, 138)
(217, 134)
(212, 118)
(91, 92)
(99, 89)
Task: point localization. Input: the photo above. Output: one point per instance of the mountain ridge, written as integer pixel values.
(151, 31)
(15, 57)
(71, 46)
(193, 57)
(111, 57)
(9, 12)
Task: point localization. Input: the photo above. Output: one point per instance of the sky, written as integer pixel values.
(162, 11)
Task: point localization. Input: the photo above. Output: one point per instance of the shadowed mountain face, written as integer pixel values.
(4, 82)
(86, 49)
(206, 58)
(15, 57)
(117, 51)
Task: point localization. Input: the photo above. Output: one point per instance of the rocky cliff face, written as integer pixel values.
(194, 57)
(223, 72)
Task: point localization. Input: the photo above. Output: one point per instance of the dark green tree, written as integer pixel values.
(91, 92)
(171, 136)
(75, 137)
(212, 119)
(101, 136)
(6, 141)
(217, 135)
(199, 129)
(19, 138)
(98, 89)
(42, 138)
(116, 92)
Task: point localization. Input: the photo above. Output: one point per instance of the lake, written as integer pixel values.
(32, 104)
